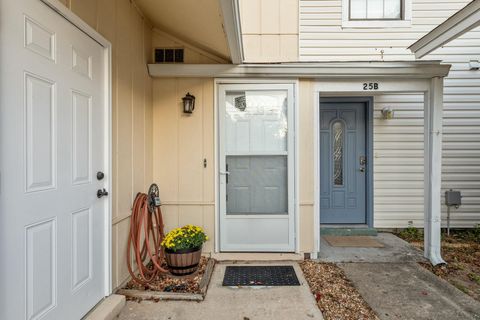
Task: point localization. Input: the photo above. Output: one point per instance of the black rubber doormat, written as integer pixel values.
(260, 276)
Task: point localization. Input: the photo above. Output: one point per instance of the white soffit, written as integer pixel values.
(461, 22)
(198, 23)
(330, 70)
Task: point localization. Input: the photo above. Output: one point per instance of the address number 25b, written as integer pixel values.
(370, 86)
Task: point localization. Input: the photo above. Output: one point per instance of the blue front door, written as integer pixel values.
(342, 163)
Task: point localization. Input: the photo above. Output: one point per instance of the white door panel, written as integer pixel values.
(52, 143)
(256, 163)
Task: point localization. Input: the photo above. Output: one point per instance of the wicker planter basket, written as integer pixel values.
(183, 262)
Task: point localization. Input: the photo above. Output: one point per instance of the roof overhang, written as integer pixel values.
(463, 21)
(330, 70)
(232, 28)
(198, 23)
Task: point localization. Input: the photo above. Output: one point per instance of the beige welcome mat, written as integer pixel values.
(353, 241)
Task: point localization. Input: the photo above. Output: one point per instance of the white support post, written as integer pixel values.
(433, 170)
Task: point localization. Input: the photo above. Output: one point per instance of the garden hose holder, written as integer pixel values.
(145, 237)
(153, 197)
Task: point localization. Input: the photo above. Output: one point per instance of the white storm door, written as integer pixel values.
(256, 167)
(53, 141)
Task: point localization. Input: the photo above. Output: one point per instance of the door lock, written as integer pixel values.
(102, 193)
(363, 160)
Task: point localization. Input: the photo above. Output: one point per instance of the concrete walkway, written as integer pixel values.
(408, 291)
(396, 287)
(389, 279)
(247, 303)
(394, 250)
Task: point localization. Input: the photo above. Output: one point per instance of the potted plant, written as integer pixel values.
(183, 249)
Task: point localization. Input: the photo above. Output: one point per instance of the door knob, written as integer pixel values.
(362, 169)
(102, 193)
(100, 175)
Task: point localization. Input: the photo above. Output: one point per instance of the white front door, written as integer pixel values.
(53, 116)
(256, 167)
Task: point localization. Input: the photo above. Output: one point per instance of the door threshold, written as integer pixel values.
(347, 230)
(344, 226)
(256, 256)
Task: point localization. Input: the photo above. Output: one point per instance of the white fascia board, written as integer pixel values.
(345, 70)
(461, 22)
(232, 28)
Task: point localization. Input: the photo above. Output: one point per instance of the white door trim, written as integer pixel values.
(295, 83)
(68, 15)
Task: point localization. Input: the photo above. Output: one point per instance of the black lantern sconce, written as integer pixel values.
(188, 103)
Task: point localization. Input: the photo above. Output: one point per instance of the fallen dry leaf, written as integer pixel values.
(336, 296)
(167, 283)
(462, 254)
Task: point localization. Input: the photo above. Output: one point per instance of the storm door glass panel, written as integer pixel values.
(257, 185)
(256, 152)
(338, 170)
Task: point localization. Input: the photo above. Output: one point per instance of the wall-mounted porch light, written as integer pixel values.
(188, 103)
(387, 113)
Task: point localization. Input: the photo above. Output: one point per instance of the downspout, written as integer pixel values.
(433, 171)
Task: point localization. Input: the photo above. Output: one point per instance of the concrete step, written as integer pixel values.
(347, 231)
(108, 309)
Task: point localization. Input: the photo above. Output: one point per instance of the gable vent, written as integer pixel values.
(168, 55)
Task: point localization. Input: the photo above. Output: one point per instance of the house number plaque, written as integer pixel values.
(370, 86)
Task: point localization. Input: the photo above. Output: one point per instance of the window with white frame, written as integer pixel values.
(375, 10)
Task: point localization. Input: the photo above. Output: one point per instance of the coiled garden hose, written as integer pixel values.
(145, 238)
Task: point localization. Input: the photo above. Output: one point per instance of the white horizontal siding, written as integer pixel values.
(398, 159)
(461, 146)
(398, 149)
(398, 154)
(322, 38)
(398, 143)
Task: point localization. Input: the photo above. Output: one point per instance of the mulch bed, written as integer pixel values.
(461, 251)
(336, 296)
(169, 284)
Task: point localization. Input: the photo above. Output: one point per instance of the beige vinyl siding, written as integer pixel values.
(123, 25)
(398, 143)
(306, 167)
(180, 144)
(269, 30)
